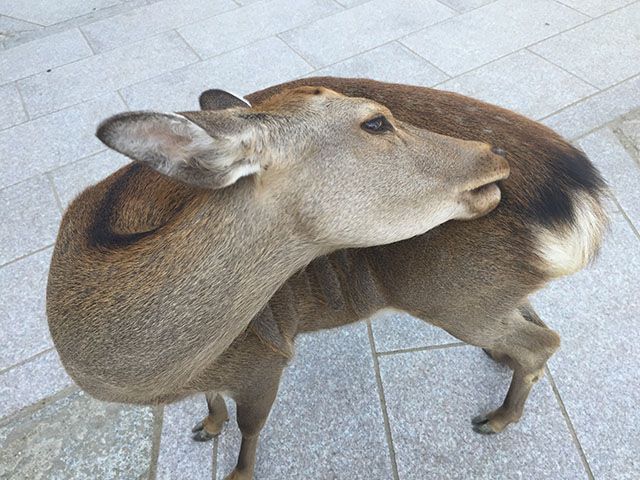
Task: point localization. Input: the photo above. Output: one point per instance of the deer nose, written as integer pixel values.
(498, 151)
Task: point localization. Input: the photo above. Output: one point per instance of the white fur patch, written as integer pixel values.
(566, 251)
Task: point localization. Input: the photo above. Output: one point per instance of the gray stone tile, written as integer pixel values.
(610, 43)
(487, 33)
(10, 106)
(29, 217)
(78, 437)
(180, 456)
(49, 13)
(389, 63)
(227, 71)
(30, 383)
(399, 331)
(361, 28)
(619, 169)
(72, 179)
(522, 82)
(351, 3)
(148, 20)
(256, 21)
(42, 54)
(465, 5)
(596, 312)
(108, 71)
(431, 397)
(11, 28)
(23, 324)
(586, 115)
(51, 141)
(595, 8)
(327, 421)
(629, 131)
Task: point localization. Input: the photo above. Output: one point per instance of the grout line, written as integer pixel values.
(624, 214)
(422, 349)
(424, 59)
(559, 2)
(214, 459)
(23, 103)
(184, 40)
(598, 89)
(570, 426)
(26, 360)
(126, 104)
(158, 420)
(22, 257)
(43, 402)
(25, 21)
(383, 403)
(86, 39)
(294, 50)
(55, 191)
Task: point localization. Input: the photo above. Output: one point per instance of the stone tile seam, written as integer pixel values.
(21, 20)
(22, 257)
(383, 404)
(626, 217)
(25, 361)
(86, 39)
(425, 348)
(43, 402)
(560, 67)
(179, 35)
(409, 49)
(214, 460)
(627, 143)
(56, 195)
(158, 420)
(295, 50)
(569, 424)
(561, 3)
(22, 103)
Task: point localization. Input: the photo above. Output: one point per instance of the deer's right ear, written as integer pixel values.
(215, 99)
(179, 148)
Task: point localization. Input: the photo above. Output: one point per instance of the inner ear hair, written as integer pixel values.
(215, 99)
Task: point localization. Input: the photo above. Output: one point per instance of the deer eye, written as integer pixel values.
(377, 125)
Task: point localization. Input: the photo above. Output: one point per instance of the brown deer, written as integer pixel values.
(159, 267)
(470, 278)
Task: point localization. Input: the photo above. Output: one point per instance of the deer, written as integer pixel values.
(472, 279)
(158, 268)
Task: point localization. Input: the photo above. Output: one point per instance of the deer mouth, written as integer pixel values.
(483, 198)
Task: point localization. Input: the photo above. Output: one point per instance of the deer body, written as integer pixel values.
(470, 278)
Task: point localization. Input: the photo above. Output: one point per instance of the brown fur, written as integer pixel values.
(470, 278)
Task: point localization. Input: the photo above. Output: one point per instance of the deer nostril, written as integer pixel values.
(498, 151)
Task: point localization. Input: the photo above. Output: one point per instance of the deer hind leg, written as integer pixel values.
(212, 425)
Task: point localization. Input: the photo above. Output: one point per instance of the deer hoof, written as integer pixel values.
(481, 425)
(201, 434)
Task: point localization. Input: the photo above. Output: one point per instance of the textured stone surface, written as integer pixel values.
(78, 437)
(464, 5)
(23, 326)
(148, 20)
(29, 217)
(11, 28)
(617, 55)
(31, 382)
(48, 13)
(108, 71)
(180, 456)
(399, 331)
(327, 421)
(487, 33)
(10, 106)
(361, 28)
(389, 63)
(254, 22)
(431, 397)
(522, 82)
(42, 54)
(72, 179)
(596, 8)
(48, 142)
(597, 368)
(630, 131)
(227, 71)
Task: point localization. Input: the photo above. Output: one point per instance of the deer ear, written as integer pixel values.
(215, 99)
(179, 148)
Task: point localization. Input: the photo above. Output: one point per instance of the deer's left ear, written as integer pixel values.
(215, 99)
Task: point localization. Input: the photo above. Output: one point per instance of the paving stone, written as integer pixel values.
(23, 324)
(180, 456)
(465, 5)
(389, 63)
(431, 397)
(595, 8)
(78, 437)
(51, 141)
(148, 20)
(400, 331)
(522, 82)
(615, 51)
(49, 13)
(630, 132)
(227, 71)
(487, 33)
(586, 115)
(327, 420)
(30, 383)
(72, 179)
(619, 169)
(596, 312)
(29, 217)
(351, 3)
(256, 21)
(108, 71)
(11, 28)
(42, 55)
(10, 106)
(361, 28)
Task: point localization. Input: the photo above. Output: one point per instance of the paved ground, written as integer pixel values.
(387, 399)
